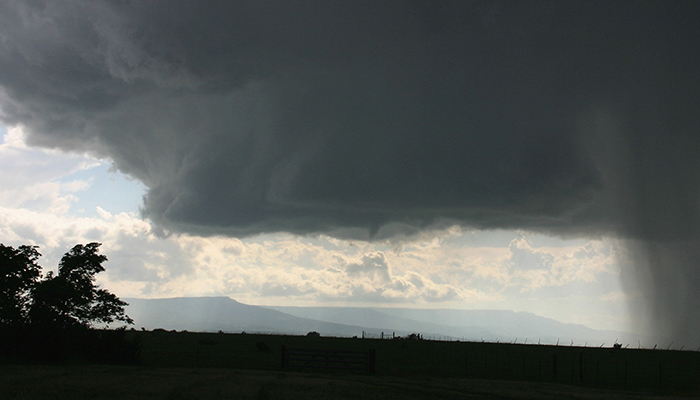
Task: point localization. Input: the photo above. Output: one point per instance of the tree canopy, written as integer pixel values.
(70, 298)
(19, 273)
(51, 318)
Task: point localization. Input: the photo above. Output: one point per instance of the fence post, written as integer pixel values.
(483, 358)
(466, 363)
(572, 371)
(580, 367)
(371, 360)
(495, 357)
(283, 357)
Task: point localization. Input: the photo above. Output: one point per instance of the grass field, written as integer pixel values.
(181, 365)
(116, 382)
(638, 369)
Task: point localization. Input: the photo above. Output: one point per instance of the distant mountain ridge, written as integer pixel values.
(474, 325)
(212, 314)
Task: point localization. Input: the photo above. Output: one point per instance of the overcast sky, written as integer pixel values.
(524, 155)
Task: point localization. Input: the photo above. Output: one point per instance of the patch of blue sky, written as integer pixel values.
(108, 189)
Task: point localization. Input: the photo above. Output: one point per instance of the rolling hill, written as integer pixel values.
(212, 314)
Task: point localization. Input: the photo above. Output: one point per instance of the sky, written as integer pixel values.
(485, 154)
(55, 199)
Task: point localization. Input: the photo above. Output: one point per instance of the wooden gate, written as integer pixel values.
(354, 361)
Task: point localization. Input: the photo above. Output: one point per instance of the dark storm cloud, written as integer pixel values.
(373, 119)
(257, 116)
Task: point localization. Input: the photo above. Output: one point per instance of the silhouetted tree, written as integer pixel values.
(71, 298)
(19, 273)
(50, 319)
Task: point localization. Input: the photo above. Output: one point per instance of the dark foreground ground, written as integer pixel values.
(113, 382)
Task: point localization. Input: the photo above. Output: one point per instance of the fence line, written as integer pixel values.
(355, 361)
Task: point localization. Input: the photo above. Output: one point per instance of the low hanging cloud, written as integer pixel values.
(347, 119)
(523, 257)
(373, 266)
(379, 119)
(275, 269)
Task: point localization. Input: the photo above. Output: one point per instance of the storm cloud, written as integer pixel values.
(375, 119)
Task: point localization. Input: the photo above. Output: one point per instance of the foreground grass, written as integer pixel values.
(631, 369)
(114, 382)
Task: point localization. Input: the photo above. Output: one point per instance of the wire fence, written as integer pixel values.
(565, 362)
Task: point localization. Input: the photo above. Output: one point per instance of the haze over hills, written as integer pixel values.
(211, 314)
(474, 325)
